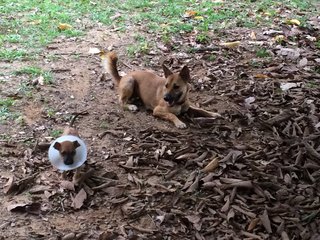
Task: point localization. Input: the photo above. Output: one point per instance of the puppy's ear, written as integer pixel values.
(57, 146)
(166, 70)
(185, 74)
(76, 144)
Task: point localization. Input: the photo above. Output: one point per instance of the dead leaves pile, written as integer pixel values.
(254, 174)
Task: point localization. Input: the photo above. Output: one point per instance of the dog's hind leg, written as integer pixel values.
(198, 112)
(126, 90)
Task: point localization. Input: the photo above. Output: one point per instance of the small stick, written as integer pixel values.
(75, 115)
(312, 152)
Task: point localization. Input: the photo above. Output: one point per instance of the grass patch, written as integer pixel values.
(11, 55)
(5, 113)
(202, 38)
(212, 57)
(50, 112)
(56, 133)
(141, 46)
(36, 72)
(36, 22)
(262, 53)
(313, 84)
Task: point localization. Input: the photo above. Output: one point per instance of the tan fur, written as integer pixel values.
(70, 131)
(153, 90)
(68, 147)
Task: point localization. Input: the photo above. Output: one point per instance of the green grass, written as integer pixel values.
(5, 113)
(56, 133)
(202, 38)
(212, 57)
(34, 23)
(142, 45)
(35, 72)
(13, 54)
(313, 84)
(50, 112)
(262, 53)
(38, 21)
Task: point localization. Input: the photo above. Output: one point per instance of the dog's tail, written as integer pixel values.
(109, 63)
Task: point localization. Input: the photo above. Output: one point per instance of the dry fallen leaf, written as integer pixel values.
(289, 85)
(293, 22)
(41, 80)
(230, 214)
(194, 186)
(266, 14)
(64, 26)
(266, 221)
(253, 224)
(69, 236)
(190, 13)
(94, 50)
(200, 18)
(253, 35)
(211, 165)
(32, 208)
(289, 53)
(231, 44)
(8, 187)
(36, 22)
(195, 220)
(311, 38)
(261, 76)
(18, 186)
(67, 185)
(303, 62)
(279, 38)
(117, 15)
(79, 199)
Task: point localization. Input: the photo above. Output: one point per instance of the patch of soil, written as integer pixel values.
(253, 174)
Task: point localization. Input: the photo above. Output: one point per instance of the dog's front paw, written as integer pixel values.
(132, 108)
(180, 125)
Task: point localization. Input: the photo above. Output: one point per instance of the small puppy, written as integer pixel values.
(71, 151)
(67, 149)
(166, 97)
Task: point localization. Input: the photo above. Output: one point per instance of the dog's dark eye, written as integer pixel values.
(63, 153)
(167, 85)
(175, 86)
(73, 152)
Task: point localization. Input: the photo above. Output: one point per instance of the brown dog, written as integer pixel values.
(167, 97)
(71, 151)
(67, 149)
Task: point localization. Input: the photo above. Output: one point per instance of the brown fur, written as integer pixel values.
(166, 97)
(68, 148)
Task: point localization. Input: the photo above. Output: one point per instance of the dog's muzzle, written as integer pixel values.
(68, 160)
(172, 99)
(168, 98)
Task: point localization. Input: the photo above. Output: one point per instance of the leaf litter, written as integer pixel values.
(252, 174)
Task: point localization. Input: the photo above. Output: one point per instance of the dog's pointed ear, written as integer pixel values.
(185, 74)
(76, 144)
(57, 146)
(166, 70)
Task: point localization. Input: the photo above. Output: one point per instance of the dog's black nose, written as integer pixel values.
(168, 98)
(68, 160)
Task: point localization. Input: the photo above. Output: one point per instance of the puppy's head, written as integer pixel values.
(67, 150)
(176, 87)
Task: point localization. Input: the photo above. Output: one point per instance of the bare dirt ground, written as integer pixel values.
(149, 180)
